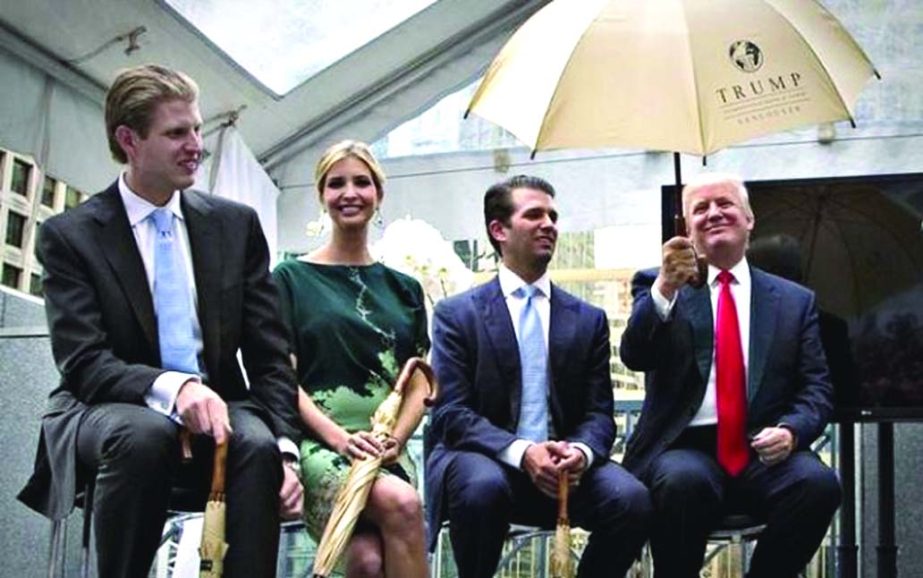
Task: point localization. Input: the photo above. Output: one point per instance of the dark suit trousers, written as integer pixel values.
(135, 455)
(691, 492)
(485, 496)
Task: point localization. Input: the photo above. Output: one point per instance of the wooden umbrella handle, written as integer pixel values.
(410, 366)
(219, 471)
(563, 490)
(679, 224)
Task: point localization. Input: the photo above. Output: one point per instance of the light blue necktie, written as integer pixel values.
(533, 357)
(172, 299)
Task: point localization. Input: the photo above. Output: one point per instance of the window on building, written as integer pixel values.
(11, 275)
(15, 228)
(21, 172)
(72, 198)
(35, 285)
(48, 186)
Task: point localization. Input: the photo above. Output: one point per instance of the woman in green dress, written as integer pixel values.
(354, 322)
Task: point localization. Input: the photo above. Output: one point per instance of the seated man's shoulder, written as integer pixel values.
(78, 217)
(216, 203)
(797, 291)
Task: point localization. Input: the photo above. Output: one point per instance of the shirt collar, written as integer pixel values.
(510, 282)
(139, 208)
(740, 271)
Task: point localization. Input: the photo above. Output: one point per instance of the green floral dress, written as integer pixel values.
(352, 328)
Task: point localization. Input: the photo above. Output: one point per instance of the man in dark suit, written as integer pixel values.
(737, 388)
(150, 292)
(526, 397)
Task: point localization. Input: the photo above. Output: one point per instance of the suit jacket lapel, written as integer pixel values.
(205, 246)
(500, 332)
(697, 305)
(764, 312)
(561, 330)
(121, 250)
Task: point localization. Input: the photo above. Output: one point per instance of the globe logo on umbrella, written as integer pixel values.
(746, 55)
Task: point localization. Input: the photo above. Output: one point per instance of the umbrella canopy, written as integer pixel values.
(691, 76)
(354, 492)
(857, 247)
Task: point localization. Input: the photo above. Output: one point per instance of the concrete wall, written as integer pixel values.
(27, 374)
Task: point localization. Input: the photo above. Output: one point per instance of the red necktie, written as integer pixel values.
(731, 387)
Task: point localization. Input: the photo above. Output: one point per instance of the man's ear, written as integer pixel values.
(497, 230)
(127, 139)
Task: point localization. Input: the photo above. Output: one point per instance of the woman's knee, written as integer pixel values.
(396, 505)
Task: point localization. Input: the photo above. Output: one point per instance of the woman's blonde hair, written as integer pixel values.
(341, 150)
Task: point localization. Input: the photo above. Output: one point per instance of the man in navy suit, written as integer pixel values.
(737, 388)
(515, 413)
(138, 267)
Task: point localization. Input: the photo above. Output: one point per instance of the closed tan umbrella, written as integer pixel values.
(562, 564)
(213, 547)
(352, 497)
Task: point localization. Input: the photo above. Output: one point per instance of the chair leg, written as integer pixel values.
(87, 526)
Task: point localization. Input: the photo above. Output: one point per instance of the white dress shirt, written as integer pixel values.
(510, 283)
(741, 289)
(161, 397)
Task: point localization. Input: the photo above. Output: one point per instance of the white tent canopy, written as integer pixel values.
(51, 93)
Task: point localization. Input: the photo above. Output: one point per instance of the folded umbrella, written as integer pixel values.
(562, 564)
(354, 492)
(213, 547)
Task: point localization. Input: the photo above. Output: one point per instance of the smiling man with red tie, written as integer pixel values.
(737, 388)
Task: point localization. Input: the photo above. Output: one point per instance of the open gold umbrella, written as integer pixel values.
(352, 497)
(689, 76)
(213, 547)
(562, 563)
(692, 76)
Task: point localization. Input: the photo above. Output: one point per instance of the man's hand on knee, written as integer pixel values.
(203, 411)
(542, 468)
(291, 495)
(773, 444)
(569, 459)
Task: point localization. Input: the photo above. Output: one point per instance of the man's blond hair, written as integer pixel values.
(708, 179)
(134, 95)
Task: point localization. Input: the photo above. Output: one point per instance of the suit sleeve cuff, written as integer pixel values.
(161, 396)
(791, 430)
(661, 305)
(587, 452)
(288, 449)
(512, 454)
